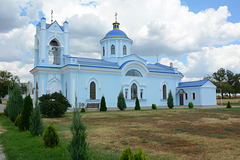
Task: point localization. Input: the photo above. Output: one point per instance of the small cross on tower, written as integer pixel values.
(116, 17)
(157, 59)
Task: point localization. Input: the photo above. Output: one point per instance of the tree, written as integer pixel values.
(14, 104)
(170, 100)
(103, 106)
(137, 105)
(36, 125)
(50, 137)
(53, 105)
(7, 81)
(230, 80)
(26, 113)
(220, 77)
(121, 104)
(78, 146)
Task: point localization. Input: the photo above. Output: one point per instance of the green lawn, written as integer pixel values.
(162, 134)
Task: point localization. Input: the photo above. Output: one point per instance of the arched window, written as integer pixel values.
(54, 52)
(133, 91)
(134, 73)
(92, 90)
(193, 95)
(124, 50)
(103, 51)
(164, 92)
(112, 49)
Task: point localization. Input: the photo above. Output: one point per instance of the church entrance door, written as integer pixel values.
(181, 99)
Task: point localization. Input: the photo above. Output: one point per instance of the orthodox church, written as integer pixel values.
(118, 70)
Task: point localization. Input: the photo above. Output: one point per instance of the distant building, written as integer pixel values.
(118, 69)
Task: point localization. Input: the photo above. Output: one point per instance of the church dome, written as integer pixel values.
(116, 33)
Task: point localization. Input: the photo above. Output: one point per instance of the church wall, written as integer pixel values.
(106, 84)
(155, 91)
(208, 96)
(190, 91)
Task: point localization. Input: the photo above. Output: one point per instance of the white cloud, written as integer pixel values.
(210, 59)
(159, 27)
(16, 68)
(176, 64)
(15, 43)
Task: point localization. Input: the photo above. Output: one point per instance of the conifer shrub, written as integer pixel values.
(139, 155)
(229, 105)
(121, 104)
(26, 113)
(103, 106)
(53, 105)
(83, 110)
(78, 146)
(154, 106)
(50, 137)
(36, 125)
(190, 105)
(127, 154)
(17, 120)
(137, 105)
(14, 103)
(170, 100)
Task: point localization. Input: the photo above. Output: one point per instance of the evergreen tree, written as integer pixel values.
(170, 100)
(26, 113)
(36, 125)
(50, 137)
(103, 106)
(121, 104)
(14, 103)
(137, 105)
(78, 146)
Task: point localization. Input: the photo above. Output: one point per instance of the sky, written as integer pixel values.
(198, 36)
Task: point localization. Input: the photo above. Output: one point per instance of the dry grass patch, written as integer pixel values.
(163, 133)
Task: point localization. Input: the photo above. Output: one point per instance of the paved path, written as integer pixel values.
(2, 155)
(2, 106)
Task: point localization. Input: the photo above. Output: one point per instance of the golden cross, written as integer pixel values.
(116, 17)
(51, 16)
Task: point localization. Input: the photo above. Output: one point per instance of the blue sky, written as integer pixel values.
(198, 36)
(199, 5)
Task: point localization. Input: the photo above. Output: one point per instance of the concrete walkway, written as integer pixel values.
(2, 155)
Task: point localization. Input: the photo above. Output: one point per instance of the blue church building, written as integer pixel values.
(118, 69)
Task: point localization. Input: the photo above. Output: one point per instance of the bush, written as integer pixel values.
(50, 137)
(139, 155)
(83, 110)
(36, 125)
(0, 101)
(190, 105)
(154, 106)
(53, 105)
(127, 154)
(229, 105)
(17, 120)
(78, 146)
(121, 104)
(137, 105)
(170, 100)
(14, 103)
(103, 106)
(26, 113)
